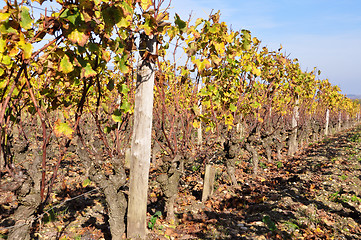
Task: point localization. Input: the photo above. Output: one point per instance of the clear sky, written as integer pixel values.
(321, 33)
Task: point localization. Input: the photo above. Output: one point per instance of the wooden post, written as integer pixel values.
(292, 143)
(327, 121)
(339, 121)
(199, 130)
(141, 140)
(208, 182)
(128, 158)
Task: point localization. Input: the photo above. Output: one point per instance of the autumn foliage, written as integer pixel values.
(67, 87)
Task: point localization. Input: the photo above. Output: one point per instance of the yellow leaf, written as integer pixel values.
(28, 50)
(6, 60)
(26, 47)
(63, 129)
(4, 16)
(78, 37)
(125, 22)
(220, 48)
(256, 71)
(88, 71)
(196, 124)
(199, 21)
(145, 4)
(2, 45)
(65, 65)
(105, 55)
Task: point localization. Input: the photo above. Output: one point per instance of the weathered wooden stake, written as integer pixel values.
(141, 140)
(208, 182)
(327, 121)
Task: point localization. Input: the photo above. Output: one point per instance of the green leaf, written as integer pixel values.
(127, 9)
(180, 23)
(117, 116)
(74, 18)
(204, 92)
(122, 64)
(255, 105)
(147, 27)
(232, 107)
(88, 71)
(270, 224)
(86, 182)
(6, 28)
(112, 15)
(107, 129)
(125, 106)
(123, 89)
(26, 20)
(153, 219)
(110, 85)
(65, 65)
(63, 129)
(72, 15)
(93, 47)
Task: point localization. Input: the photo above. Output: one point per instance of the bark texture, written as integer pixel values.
(110, 186)
(27, 188)
(230, 152)
(169, 184)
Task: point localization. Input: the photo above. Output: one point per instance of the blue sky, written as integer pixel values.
(321, 33)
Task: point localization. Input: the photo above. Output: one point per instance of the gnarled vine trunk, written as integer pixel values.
(230, 149)
(169, 184)
(110, 186)
(255, 159)
(28, 188)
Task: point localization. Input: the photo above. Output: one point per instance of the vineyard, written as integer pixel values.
(118, 122)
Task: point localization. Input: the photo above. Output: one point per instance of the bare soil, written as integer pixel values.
(313, 195)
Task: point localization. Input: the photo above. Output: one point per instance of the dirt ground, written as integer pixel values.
(314, 195)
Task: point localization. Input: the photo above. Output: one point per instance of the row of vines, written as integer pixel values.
(69, 81)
